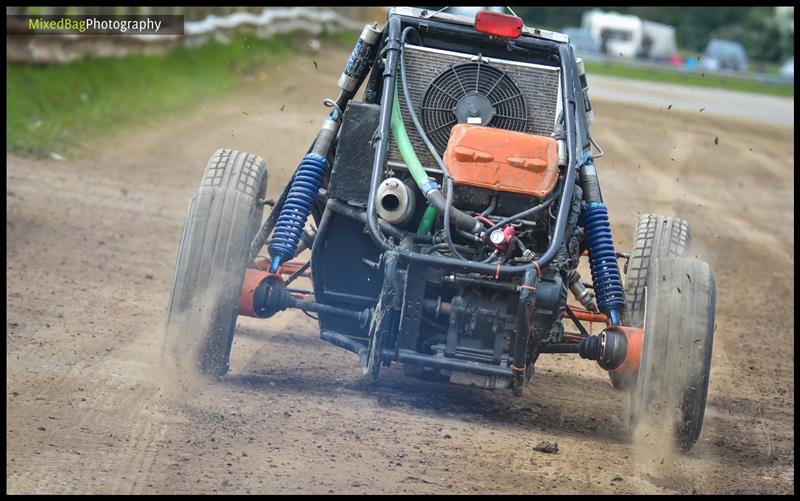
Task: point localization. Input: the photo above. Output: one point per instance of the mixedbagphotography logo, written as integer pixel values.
(88, 24)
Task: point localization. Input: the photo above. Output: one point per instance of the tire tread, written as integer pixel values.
(655, 236)
(221, 220)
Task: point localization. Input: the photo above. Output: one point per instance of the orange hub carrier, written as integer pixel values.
(502, 160)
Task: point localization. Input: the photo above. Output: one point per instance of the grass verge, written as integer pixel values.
(699, 80)
(56, 108)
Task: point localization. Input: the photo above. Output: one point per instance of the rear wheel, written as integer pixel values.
(654, 237)
(222, 219)
(672, 381)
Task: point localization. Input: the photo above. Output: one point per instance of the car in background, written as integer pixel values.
(625, 35)
(724, 55)
(787, 70)
(618, 34)
(582, 42)
(691, 63)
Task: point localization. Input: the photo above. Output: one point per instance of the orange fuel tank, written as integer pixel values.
(502, 160)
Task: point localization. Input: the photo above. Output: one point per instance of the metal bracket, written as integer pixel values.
(599, 149)
(330, 103)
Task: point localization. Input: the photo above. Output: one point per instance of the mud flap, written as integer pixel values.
(382, 318)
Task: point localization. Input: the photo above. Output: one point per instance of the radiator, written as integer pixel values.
(539, 85)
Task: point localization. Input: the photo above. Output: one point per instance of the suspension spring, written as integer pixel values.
(603, 261)
(292, 220)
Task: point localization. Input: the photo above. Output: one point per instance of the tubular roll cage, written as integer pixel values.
(571, 95)
(569, 105)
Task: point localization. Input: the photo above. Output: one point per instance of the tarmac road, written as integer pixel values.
(91, 250)
(762, 108)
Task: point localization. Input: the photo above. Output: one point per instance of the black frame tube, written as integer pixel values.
(392, 49)
(361, 315)
(578, 323)
(344, 342)
(527, 299)
(352, 212)
(466, 280)
(452, 364)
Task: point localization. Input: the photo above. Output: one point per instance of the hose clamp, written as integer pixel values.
(429, 186)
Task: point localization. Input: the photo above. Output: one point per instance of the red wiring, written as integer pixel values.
(484, 220)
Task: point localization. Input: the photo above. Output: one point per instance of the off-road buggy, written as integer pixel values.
(451, 206)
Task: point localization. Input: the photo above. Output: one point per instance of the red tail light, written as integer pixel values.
(494, 23)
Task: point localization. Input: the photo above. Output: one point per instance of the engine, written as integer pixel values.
(492, 121)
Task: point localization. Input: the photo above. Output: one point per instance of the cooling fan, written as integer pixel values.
(471, 93)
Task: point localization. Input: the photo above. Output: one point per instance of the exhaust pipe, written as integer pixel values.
(396, 201)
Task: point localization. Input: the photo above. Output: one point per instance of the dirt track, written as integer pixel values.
(91, 250)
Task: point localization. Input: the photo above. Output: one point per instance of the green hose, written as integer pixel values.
(414, 166)
(404, 145)
(428, 186)
(426, 223)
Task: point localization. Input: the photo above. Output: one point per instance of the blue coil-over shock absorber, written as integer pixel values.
(292, 220)
(308, 176)
(603, 260)
(602, 257)
(360, 58)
